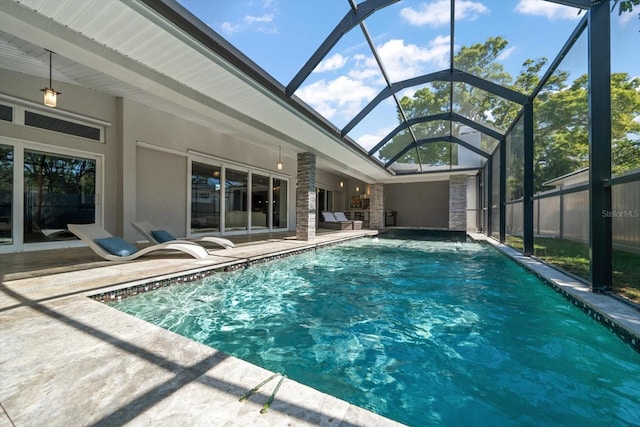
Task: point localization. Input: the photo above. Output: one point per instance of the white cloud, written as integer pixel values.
(250, 20)
(547, 9)
(340, 96)
(625, 18)
(438, 13)
(368, 141)
(403, 61)
(505, 54)
(229, 28)
(332, 63)
(264, 23)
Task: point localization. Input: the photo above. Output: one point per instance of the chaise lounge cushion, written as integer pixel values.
(116, 246)
(162, 236)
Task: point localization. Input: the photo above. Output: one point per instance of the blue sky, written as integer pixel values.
(412, 38)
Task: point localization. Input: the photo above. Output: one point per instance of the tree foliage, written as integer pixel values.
(561, 119)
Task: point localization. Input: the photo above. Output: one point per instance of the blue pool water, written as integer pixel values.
(426, 333)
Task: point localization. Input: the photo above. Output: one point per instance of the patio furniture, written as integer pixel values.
(158, 235)
(331, 222)
(114, 248)
(340, 216)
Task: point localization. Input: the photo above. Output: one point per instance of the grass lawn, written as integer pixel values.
(573, 257)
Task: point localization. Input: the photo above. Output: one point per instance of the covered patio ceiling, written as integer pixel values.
(158, 53)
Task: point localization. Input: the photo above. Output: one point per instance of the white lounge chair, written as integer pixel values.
(331, 222)
(158, 235)
(116, 249)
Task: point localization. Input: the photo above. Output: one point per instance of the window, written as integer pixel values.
(6, 113)
(250, 200)
(58, 190)
(63, 126)
(6, 194)
(205, 198)
(279, 204)
(259, 201)
(42, 189)
(235, 187)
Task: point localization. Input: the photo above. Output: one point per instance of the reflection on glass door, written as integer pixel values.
(235, 188)
(259, 201)
(58, 190)
(279, 203)
(205, 198)
(6, 195)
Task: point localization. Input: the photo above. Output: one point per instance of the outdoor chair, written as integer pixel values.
(158, 235)
(116, 249)
(331, 222)
(340, 216)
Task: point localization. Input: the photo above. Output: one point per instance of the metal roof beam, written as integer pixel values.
(424, 141)
(444, 75)
(442, 116)
(350, 20)
(581, 4)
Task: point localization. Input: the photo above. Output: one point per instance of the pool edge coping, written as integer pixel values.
(619, 317)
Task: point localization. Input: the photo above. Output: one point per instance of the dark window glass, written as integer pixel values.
(62, 126)
(6, 113)
(205, 198)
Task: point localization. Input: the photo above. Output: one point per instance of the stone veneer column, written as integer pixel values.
(376, 206)
(306, 197)
(458, 202)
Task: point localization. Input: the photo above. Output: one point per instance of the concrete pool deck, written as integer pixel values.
(66, 359)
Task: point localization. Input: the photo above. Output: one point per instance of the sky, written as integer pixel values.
(412, 38)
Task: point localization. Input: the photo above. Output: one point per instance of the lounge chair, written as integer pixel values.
(331, 222)
(116, 249)
(340, 216)
(158, 235)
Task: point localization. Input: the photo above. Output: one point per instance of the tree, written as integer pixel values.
(561, 125)
(469, 101)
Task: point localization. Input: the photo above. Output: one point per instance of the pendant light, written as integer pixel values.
(279, 158)
(50, 95)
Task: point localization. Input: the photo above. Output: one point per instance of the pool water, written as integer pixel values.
(423, 332)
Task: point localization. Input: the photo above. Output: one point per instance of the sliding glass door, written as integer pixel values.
(205, 197)
(58, 190)
(280, 205)
(250, 200)
(259, 201)
(236, 213)
(6, 195)
(42, 189)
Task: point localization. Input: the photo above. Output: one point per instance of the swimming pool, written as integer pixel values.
(423, 332)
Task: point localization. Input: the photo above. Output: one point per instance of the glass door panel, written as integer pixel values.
(58, 190)
(279, 203)
(236, 214)
(259, 201)
(205, 198)
(6, 195)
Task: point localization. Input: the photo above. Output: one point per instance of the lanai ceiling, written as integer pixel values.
(158, 53)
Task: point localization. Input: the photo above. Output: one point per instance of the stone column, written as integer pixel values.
(376, 206)
(306, 197)
(458, 202)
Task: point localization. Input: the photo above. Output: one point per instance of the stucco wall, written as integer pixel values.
(77, 100)
(161, 190)
(422, 204)
(156, 131)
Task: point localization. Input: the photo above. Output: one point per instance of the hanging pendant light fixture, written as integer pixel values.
(50, 95)
(279, 158)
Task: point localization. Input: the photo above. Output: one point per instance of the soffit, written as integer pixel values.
(124, 49)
